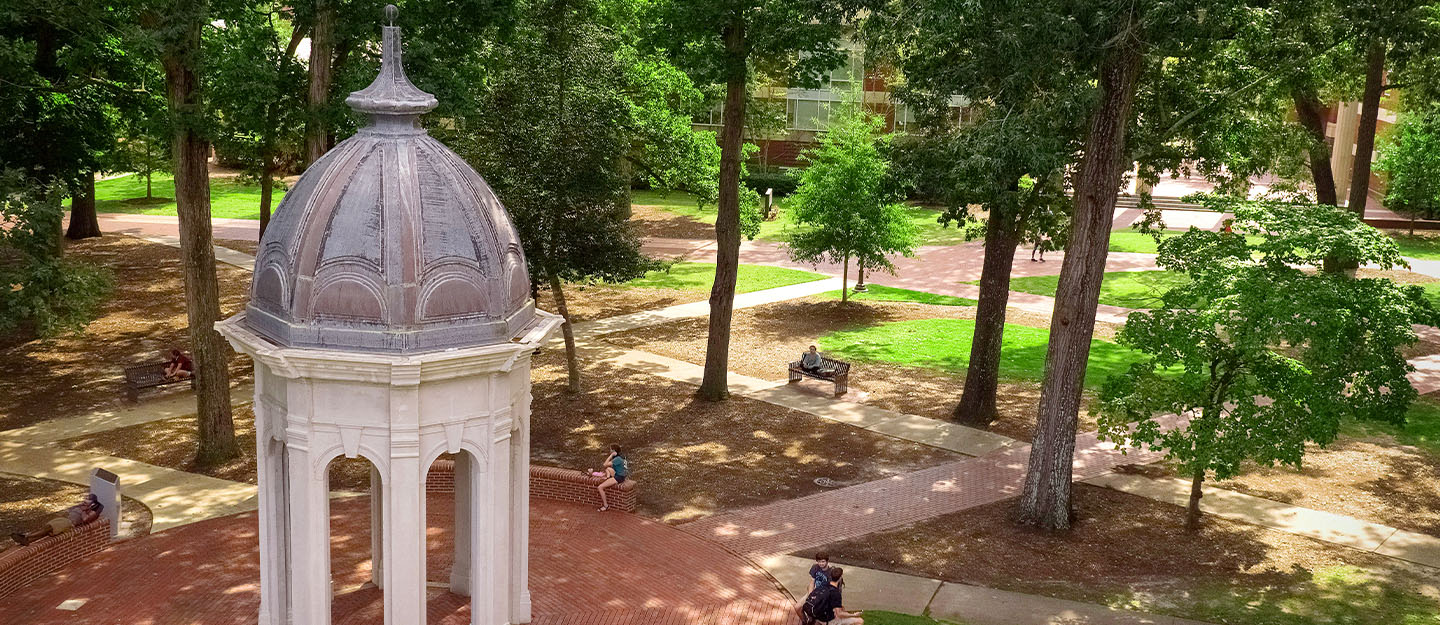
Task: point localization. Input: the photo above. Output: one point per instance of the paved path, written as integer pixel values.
(586, 568)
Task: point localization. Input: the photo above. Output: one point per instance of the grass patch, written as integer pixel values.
(700, 277)
(881, 617)
(1127, 289)
(228, 199)
(924, 219)
(1335, 594)
(1421, 428)
(945, 344)
(1424, 247)
(877, 293)
(1128, 240)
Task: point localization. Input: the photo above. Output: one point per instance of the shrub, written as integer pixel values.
(40, 290)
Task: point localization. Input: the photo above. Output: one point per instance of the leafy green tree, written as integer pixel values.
(844, 207)
(176, 26)
(1410, 159)
(729, 42)
(144, 147)
(551, 135)
(1262, 353)
(255, 83)
(40, 291)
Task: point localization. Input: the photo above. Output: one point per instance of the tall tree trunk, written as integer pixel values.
(149, 189)
(267, 180)
(1365, 135)
(1192, 512)
(715, 384)
(1311, 114)
(977, 407)
(1045, 502)
(84, 223)
(844, 280)
(322, 53)
(572, 362)
(192, 197)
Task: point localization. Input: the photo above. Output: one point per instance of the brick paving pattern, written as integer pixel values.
(845, 513)
(587, 568)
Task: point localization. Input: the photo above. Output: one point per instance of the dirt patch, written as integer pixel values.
(76, 374)
(652, 221)
(172, 443)
(598, 301)
(1129, 551)
(693, 458)
(1375, 479)
(765, 339)
(29, 502)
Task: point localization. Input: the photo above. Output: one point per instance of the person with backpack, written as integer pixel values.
(825, 605)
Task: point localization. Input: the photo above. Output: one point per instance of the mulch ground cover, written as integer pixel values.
(1133, 552)
(75, 374)
(28, 502)
(652, 221)
(239, 245)
(765, 339)
(694, 458)
(597, 301)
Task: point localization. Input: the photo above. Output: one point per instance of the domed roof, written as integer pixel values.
(390, 242)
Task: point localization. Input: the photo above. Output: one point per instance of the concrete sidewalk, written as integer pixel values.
(871, 589)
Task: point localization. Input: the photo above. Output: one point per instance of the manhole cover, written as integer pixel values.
(825, 482)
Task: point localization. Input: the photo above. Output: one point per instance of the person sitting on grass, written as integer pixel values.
(79, 514)
(179, 367)
(811, 361)
(825, 605)
(616, 470)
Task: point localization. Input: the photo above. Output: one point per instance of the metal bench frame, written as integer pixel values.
(149, 376)
(831, 370)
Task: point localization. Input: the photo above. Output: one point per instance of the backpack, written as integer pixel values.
(812, 603)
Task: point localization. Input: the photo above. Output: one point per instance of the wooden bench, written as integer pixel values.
(831, 370)
(149, 376)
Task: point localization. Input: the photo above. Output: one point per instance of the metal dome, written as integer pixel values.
(390, 242)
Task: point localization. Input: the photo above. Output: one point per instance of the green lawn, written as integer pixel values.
(1334, 594)
(1127, 240)
(881, 617)
(1422, 247)
(683, 204)
(945, 344)
(1127, 289)
(228, 199)
(700, 277)
(877, 293)
(1421, 428)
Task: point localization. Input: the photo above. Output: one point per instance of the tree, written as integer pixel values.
(177, 26)
(255, 84)
(723, 42)
(1410, 159)
(843, 205)
(568, 102)
(145, 146)
(1261, 352)
(40, 291)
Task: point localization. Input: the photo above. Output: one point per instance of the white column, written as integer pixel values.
(377, 528)
(519, 497)
(488, 590)
(464, 515)
(404, 525)
(1342, 153)
(310, 538)
(269, 466)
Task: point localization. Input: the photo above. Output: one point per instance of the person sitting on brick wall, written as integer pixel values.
(616, 470)
(79, 514)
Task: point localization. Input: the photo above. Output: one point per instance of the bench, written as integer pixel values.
(149, 376)
(831, 370)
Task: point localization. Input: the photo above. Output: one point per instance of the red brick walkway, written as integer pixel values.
(587, 568)
(797, 524)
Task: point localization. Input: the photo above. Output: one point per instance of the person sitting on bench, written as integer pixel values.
(79, 514)
(810, 361)
(179, 367)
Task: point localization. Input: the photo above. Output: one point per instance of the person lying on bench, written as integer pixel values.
(179, 367)
(811, 361)
(79, 514)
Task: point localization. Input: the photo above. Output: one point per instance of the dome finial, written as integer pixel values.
(391, 93)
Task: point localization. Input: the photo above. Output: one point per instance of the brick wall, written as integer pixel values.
(548, 483)
(21, 565)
